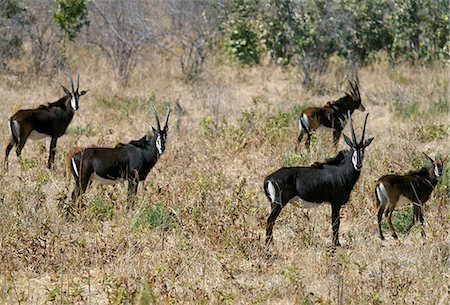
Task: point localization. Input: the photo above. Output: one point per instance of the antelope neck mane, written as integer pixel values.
(422, 172)
(340, 102)
(333, 161)
(59, 103)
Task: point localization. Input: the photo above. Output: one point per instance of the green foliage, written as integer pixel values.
(441, 106)
(102, 208)
(71, 16)
(242, 30)
(420, 30)
(428, 133)
(401, 220)
(282, 26)
(156, 217)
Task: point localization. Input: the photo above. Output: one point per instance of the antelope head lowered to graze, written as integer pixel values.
(45, 121)
(333, 115)
(329, 182)
(415, 186)
(132, 161)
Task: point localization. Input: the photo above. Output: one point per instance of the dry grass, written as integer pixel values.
(196, 233)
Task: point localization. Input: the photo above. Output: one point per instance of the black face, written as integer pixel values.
(161, 141)
(74, 96)
(357, 152)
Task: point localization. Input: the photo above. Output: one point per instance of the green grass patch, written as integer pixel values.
(428, 133)
(440, 107)
(102, 208)
(87, 130)
(406, 110)
(156, 217)
(401, 219)
(125, 105)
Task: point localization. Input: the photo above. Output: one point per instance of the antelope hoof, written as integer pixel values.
(395, 236)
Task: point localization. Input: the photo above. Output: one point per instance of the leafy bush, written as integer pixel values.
(155, 217)
(71, 16)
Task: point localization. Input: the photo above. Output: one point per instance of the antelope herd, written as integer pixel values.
(328, 182)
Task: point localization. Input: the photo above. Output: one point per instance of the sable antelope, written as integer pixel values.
(415, 186)
(132, 161)
(333, 115)
(45, 121)
(329, 182)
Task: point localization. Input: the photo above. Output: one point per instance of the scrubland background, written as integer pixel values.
(196, 233)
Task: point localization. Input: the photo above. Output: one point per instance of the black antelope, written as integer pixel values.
(415, 186)
(131, 162)
(333, 115)
(329, 182)
(45, 121)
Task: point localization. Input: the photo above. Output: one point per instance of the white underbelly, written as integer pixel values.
(34, 135)
(103, 180)
(297, 201)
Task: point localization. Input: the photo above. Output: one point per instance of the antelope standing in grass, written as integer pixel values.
(132, 161)
(415, 186)
(333, 115)
(45, 121)
(329, 182)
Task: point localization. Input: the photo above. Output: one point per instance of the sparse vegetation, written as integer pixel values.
(196, 232)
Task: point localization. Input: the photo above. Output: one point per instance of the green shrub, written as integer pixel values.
(102, 208)
(155, 217)
(401, 220)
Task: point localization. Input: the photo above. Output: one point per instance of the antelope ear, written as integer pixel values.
(368, 142)
(68, 93)
(83, 92)
(348, 141)
(428, 157)
(151, 132)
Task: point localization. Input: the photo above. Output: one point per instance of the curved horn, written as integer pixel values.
(167, 117)
(354, 94)
(78, 82)
(357, 89)
(428, 157)
(351, 127)
(364, 129)
(71, 81)
(158, 125)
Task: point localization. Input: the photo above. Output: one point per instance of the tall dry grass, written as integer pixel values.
(195, 235)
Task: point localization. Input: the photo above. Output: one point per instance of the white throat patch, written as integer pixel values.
(436, 171)
(159, 144)
(355, 161)
(73, 103)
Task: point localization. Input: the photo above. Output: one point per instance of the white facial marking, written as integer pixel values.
(158, 144)
(73, 103)
(271, 191)
(355, 161)
(436, 171)
(74, 167)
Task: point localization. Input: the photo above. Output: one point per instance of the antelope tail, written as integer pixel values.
(304, 123)
(380, 195)
(14, 130)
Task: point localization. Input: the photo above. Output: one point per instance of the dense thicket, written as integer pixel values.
(304, 33)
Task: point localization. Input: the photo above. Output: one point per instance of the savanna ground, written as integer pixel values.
(196, 233)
